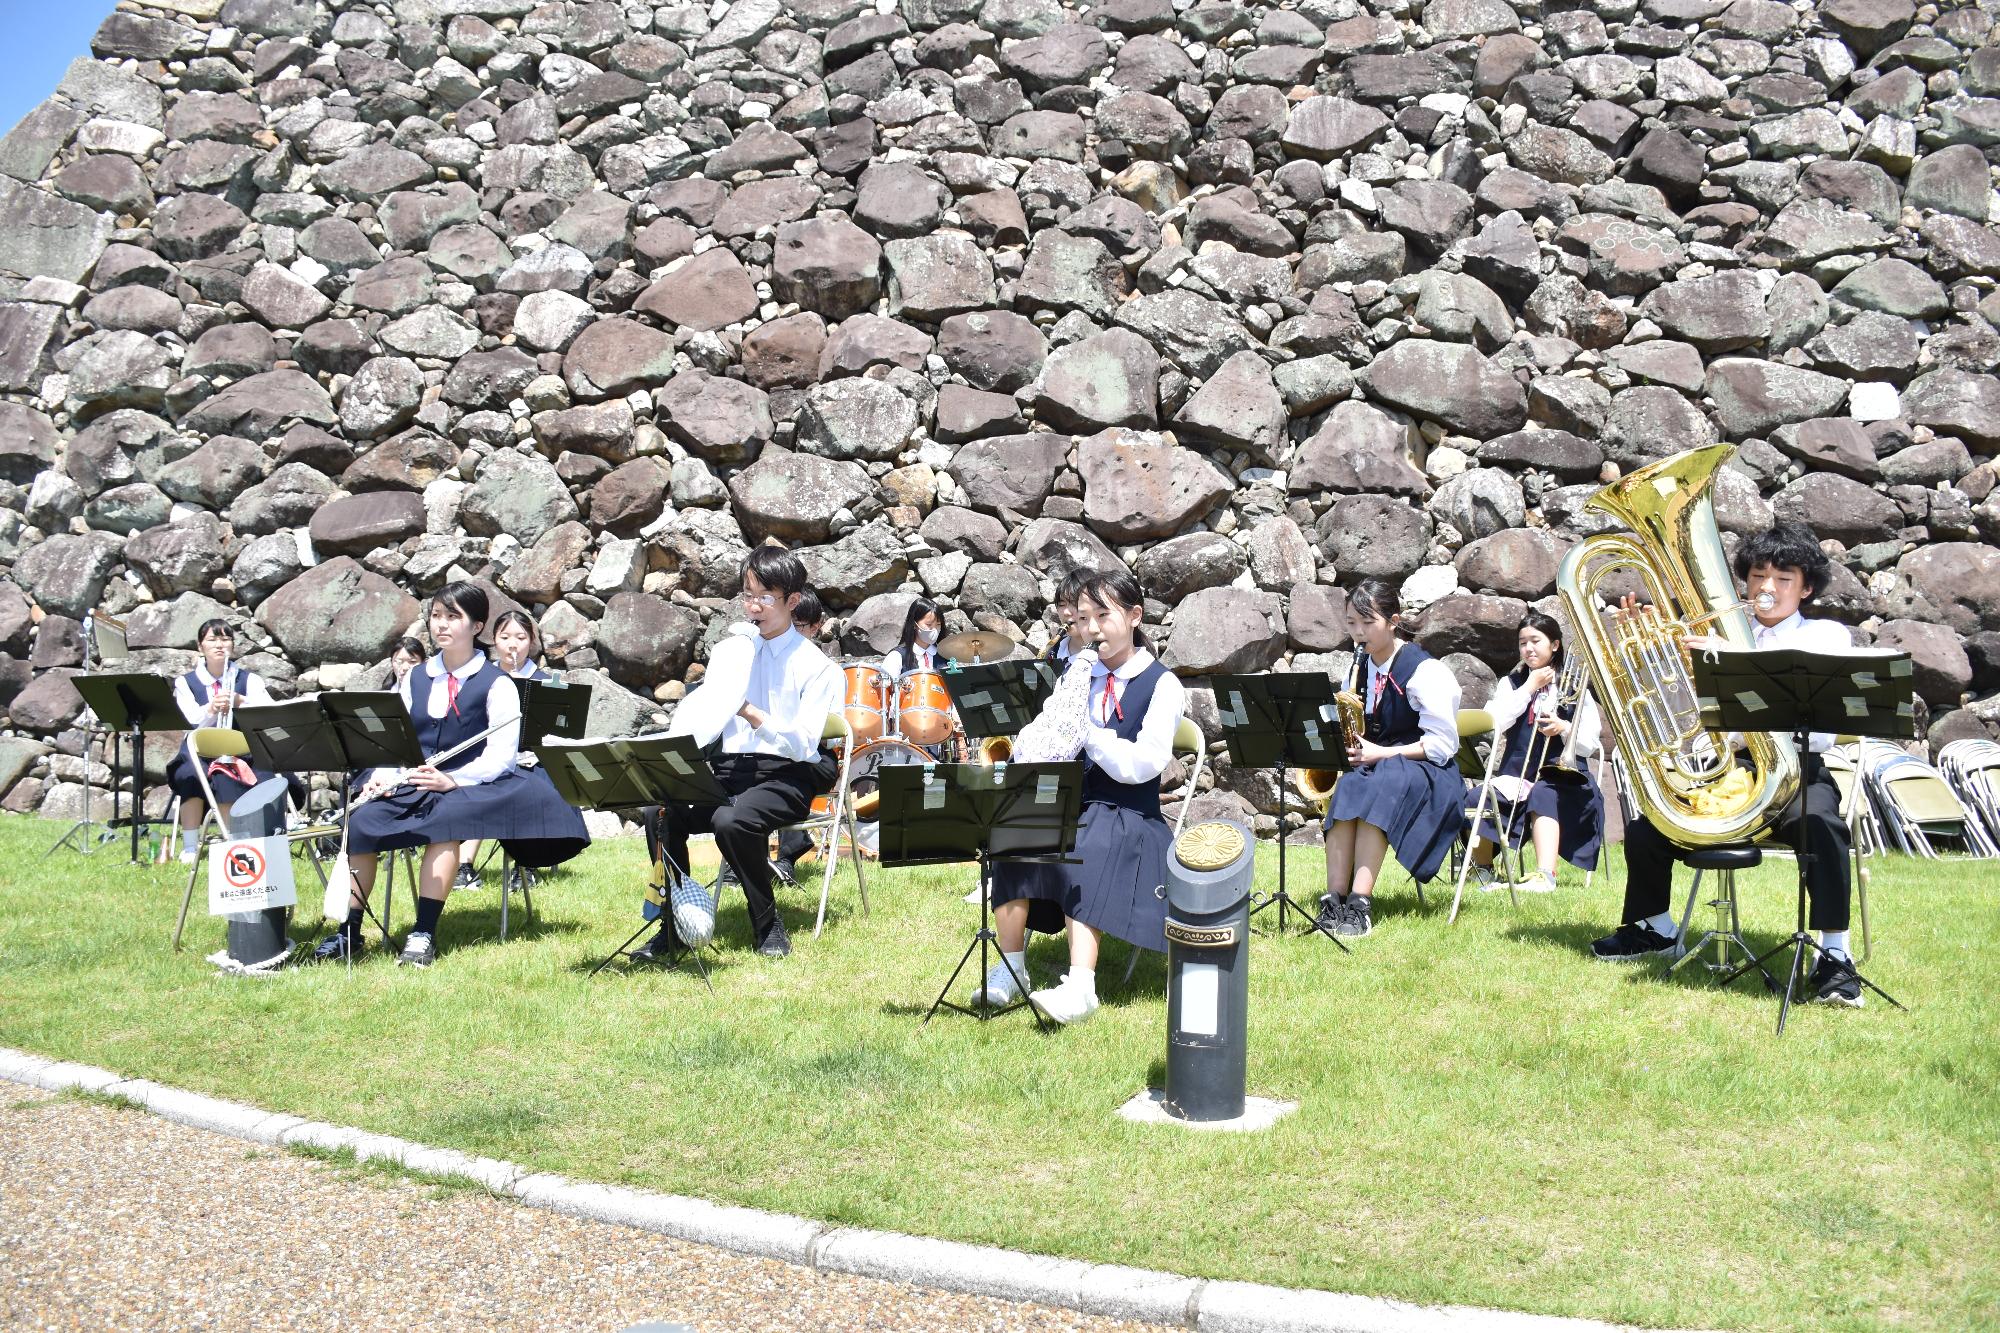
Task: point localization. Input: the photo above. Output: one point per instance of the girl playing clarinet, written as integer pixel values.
(1561, 811)
(209, 696)
(459, 698)
(1404, 789)
(516, 644)
(1115, 883)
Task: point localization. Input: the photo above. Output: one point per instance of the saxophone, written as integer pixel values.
(1684, 778)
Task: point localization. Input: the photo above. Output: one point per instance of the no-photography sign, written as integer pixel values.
(249, 876)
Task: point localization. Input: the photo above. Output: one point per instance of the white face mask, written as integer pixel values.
(927, 637)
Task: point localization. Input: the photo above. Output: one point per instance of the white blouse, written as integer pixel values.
(1510, 701)
(503, 705)
(239, 681)
(921, 659)
(1145, 758)
(1434, 692)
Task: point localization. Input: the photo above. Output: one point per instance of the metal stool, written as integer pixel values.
(1727, 932)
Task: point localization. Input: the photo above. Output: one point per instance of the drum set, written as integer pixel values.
(907, 721)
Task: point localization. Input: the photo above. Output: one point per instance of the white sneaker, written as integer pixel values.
(1067, 1003)
(1537, 883)
(999, 988)
(972, 895)
(188, 855)
(1482, 878)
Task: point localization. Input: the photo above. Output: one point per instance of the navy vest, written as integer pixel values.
(435, 734)
(1523, 734)
(1394, 720)
(1136, 698)
(234, 679)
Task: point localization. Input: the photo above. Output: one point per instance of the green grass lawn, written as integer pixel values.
(1488, 1117)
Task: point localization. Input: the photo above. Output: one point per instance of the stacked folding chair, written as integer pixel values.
(1916, 806)
(1972, 768)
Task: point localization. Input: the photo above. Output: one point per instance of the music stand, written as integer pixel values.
(552, 708)
(998, 698)
(345, 732)
(1790, 689)
(1279, 721)
(933, 813)
(627, 774)
(129, 704)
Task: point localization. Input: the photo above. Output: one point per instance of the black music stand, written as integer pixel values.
(1790, 689)
(129, 704)
(344, 732)
(998, 698)
(1278, 721)
(552, 708)
(628, 774)
(933, 813)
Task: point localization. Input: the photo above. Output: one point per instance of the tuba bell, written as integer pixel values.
(1684, 778)
(993, 750)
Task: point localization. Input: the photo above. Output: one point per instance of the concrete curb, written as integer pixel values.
(977, 1270)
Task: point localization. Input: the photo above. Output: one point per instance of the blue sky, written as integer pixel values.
(42, 37)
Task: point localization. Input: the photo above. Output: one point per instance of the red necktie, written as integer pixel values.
(1111, 704)
(1375, 694)
(451, 692)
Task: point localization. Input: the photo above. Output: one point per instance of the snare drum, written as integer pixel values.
(923, 708)
(866, 701)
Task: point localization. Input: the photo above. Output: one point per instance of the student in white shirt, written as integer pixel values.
(1114, 882)
(1070, 640)
(916, 650)
(208, 696)
(1783, 570)
(1404, 790)
(809, 618)
(1533, 730)
(764, 699)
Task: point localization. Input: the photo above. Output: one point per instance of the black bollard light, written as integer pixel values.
(1208, 969)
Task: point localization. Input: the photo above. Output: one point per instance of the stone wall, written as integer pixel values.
(314, 306)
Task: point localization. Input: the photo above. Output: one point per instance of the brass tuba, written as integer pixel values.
(1316, 784)
(993, 750)
(1684, 778)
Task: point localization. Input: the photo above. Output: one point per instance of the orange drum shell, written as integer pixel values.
(923, 708)
(865, 702)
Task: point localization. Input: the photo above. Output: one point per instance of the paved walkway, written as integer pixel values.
(114, 1218)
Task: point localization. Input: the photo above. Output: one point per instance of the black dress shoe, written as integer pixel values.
(774, 943)
(662, 947)
(786, 870)
(334, 946)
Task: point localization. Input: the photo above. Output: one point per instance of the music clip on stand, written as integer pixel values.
(1279, 721)
(934, 813)
(1790, 689)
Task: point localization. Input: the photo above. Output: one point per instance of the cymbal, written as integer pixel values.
(980, 644)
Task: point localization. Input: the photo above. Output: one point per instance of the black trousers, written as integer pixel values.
(766, 793)
(794, 843)
(1650, 858)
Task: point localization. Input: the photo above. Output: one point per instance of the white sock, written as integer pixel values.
(1019, 959)
(1083, 978)
(190, 840)
(1661, 923)
(1834, 942)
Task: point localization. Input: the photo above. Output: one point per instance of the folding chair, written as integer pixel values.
(1917, 805)
(1188, 740)
(1972, 767)
(1479, 771)
(825, 826)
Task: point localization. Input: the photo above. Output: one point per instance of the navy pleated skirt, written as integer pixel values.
(1577, 808)
(1117, 882)
(1418, 804)
(520, 809)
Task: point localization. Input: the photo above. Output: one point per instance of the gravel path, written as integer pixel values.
(114, 1218)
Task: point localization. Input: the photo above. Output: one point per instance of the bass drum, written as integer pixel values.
(862, 782)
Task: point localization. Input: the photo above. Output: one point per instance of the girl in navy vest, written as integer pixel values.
(480, 791)
(405, 657)
(516, 645)
(1116, 882)
(1561, 818)
(1404, 790)
(209, 696)
(1069, 641)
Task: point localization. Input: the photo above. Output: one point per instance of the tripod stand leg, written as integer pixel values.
(620, 951)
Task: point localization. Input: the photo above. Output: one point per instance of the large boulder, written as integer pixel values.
(1137, 486)
(515, 494)
(793, 496)
(1010, 472)
(1450, 383)
(1958, 584)
(338, 612)
(1110, 379)
(646, 640)
(1225, 630)
(66, 574)
(1943, 670)
(358, 524)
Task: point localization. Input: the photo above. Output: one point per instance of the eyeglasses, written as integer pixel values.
(760, 599)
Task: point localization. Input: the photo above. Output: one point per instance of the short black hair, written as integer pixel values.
(808, 611)
(1786, 546)
(516, 616)
(468, 599)
(1375, 599)
(1073, 584)
(779, 570)
(410, 644)
(215, 626)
